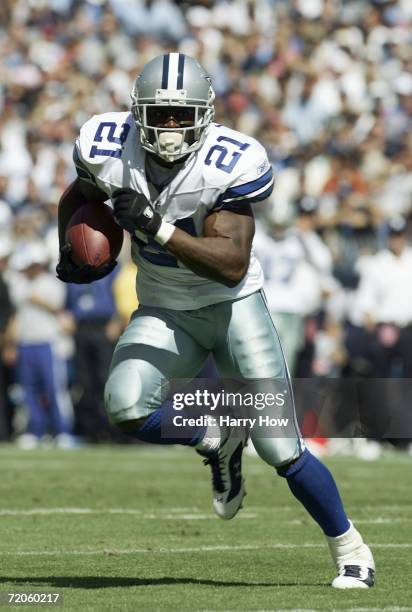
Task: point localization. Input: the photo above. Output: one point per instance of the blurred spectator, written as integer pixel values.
(292, 287)
(314, 248)
(39, 299)
(161, 19)
(316, 350)
(6, 312)
(96, 329)
(385, 299)
(126, 300)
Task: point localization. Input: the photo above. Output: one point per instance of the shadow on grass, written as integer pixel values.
(104, 582)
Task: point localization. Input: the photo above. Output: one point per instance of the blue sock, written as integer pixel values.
(153, 432)
(313, 485)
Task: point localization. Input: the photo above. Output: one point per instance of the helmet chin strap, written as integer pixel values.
(171, 144)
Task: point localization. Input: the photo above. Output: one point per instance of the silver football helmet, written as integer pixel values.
(172, 86)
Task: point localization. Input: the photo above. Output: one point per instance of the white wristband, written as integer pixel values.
(164, 233)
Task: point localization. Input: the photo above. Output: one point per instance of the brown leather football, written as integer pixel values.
(94, 235)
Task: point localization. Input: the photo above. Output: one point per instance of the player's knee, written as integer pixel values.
(132, 426)
(284, 469)
(278, 452)
(123, 398)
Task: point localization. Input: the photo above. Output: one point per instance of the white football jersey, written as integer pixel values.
(228, 171)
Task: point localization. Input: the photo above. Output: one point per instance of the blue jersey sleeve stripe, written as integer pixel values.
(76, 157)
(227, 196)
(250, 187)
(234, 205)
(83, 174)
(249, 195)
(261, 196)
(225, 199)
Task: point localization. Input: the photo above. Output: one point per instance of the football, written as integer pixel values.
(94, 235)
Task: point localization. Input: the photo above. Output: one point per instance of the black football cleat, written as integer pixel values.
(227, 480)
(355, 577)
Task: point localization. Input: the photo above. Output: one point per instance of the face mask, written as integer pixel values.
(171, 143)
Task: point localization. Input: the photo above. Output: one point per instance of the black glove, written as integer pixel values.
(68, 272)
(133, 211)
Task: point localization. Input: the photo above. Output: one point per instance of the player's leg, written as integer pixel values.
(153, 350)
(159, 345)
(252, 350)
(290, 327)
(244, 348)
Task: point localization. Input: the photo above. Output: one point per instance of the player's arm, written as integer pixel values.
(223, 254)
(72, 199)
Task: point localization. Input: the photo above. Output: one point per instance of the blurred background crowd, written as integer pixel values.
(325, 85)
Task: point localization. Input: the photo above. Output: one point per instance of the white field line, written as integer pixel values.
(366, 508)
(380, 520)
(167, 515)
(193, 509)
(121, 468)
(180, 514)
(194, 549)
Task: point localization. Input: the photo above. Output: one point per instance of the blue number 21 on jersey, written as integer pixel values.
(224, 153)
(110, 128)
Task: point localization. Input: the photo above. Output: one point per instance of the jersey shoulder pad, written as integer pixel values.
(242, 166)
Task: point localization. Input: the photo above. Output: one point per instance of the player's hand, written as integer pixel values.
(133, 211)
(68, 272)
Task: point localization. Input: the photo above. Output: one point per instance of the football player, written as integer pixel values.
(183, 187)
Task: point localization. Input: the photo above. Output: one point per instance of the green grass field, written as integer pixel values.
(132, 529)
